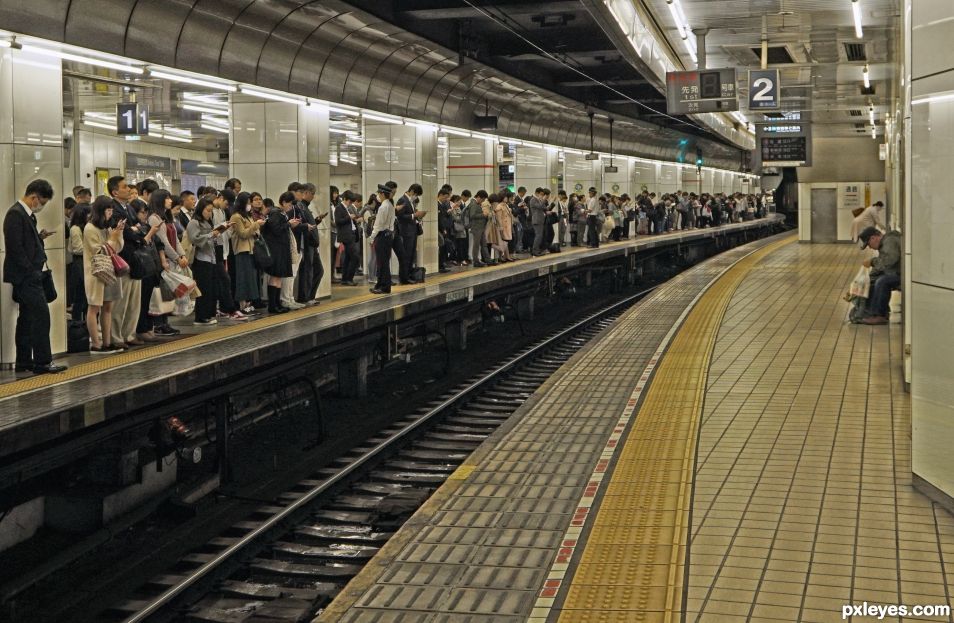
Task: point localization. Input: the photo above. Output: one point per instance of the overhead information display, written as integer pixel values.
(706, 90)
(763, 90)
(784, 142)
(784, 149)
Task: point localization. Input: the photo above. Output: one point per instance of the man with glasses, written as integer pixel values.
(23, 268)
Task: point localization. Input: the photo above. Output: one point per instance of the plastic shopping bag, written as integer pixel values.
(861, 283)
(159, 307)
(180, 284)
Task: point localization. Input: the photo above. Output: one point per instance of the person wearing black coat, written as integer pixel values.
(347, 234)
(23, 268)
(275, 232)
(407, 232)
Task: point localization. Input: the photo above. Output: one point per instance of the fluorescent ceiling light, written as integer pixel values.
(856, 11)
(178, 139)
(190, 80)
(871, 114)
(179, 131)
(932, 98)
(5, 43)
(219, 121)
(105, 116)
(455, 132)
(82, 59)
(97, 124)
(354, 143)
(393, 120)
(422, 125)
(674, 11)
(690, 50)
(486, 137)
(866, 78)
(343, 111)
(348, 160)
(340, 131)
(874, 132)
(206, 109)
(214, 128)
(269, 95)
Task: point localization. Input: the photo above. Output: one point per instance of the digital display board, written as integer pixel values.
(707, 90)
(784, 149)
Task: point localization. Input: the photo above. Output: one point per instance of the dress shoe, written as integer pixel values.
(875, 320)
(135, 342)
(23, 367)
(50, 368)
(377, 291)
(149, 336)
(348, 283)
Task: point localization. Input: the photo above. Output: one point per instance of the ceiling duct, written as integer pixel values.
(777, 55)
(855, 52)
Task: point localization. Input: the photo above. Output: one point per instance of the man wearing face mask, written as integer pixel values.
(23, 268)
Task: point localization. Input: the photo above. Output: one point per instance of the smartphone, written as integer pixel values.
(221, 226)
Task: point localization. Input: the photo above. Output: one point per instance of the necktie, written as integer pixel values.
(33, 218)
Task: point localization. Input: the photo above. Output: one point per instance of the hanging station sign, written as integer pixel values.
(705, 90)
(764, 90)
(131, 119)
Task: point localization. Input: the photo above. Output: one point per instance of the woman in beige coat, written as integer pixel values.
(503, 219)
(99, 296)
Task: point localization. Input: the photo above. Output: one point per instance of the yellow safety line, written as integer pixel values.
(633, 564)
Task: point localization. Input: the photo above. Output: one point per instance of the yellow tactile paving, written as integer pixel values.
(633, 565)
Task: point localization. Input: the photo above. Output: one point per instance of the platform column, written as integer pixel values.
(405, 154)
(455, 332)
(275, 143)
(31, 147)
(353, 376)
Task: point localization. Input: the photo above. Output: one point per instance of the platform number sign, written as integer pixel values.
(764, 89)
(131, 119)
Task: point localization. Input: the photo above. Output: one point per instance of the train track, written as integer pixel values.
(290, 558)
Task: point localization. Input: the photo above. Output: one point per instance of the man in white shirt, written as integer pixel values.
(382, 237)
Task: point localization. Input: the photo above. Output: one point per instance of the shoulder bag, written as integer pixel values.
(120, 267)
(261, 254)
(103, 267)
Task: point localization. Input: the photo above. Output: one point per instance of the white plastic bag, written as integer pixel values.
(180, 284)
(861, 283)
(159, 307)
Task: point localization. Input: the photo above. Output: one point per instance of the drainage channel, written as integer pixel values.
(290, 558)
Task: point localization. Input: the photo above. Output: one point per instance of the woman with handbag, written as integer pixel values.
(162, 215)
(245, 230)
(101, 285)
(152, 254)
(503, 221)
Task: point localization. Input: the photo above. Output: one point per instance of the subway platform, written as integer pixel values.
(36, 411)
(731, 450)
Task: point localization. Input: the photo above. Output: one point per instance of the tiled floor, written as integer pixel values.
(803, 500)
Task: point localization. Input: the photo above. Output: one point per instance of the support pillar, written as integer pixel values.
(272, 144)
(470, 164)
(405, 154)
(353, 377)
(525, 308)
(455, 332)
(31, 147)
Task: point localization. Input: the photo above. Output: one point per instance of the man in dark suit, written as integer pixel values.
(407, 231)
(347, 234)
(23, 268)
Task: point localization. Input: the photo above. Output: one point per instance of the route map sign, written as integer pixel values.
(706, 90)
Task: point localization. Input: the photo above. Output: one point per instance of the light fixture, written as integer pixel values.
(674, 11)
(269, 95)
(856, 12)
(354, 143)
(98, 124)
(82, 59)
(190, 80)
(343, 111)
(874, 131)
(219, 121)
(871, 114)
(178, 139)
(455, 132)
(178, 131)
(206, 109)
(214, 128)
(866, 78)
(420, 124)
(348, 160)
(6, 43)
(932, 98)
(486, 137)
(393, 120)
(345, 132)
(692, 52)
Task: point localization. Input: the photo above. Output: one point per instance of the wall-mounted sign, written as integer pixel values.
(764, 89)
(131, 119)
(707, 90)
(142, 162)
(783, 143)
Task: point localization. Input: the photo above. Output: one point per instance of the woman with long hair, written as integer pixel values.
(245, 230)
(99, 297)
(74, 277)
(204, 266)
(503, 221)
(276, 233)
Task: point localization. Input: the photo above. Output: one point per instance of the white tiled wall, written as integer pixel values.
(478, 156)
(930, 299)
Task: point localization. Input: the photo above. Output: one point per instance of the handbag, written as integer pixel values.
(49, 288)
(158, 306)
(120, 267)
(145, 262)
(103, 268)
(420, 228)
(261, 254)
(166, 291)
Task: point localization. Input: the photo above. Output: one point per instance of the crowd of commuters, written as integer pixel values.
(139, 254)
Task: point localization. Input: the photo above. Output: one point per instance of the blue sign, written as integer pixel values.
(764, 89)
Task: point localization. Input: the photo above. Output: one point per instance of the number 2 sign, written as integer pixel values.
(764, 89)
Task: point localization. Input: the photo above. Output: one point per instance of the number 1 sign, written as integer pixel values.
(764, 89)
(131, 119)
